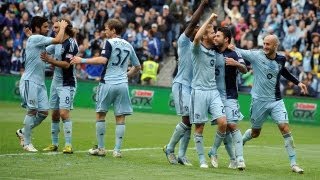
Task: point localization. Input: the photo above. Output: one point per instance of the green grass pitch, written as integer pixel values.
(143, 158)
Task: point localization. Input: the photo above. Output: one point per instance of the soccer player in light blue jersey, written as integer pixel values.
(181, 89)
(205, 96)
(227, 66)
(63, 86)
(113, 86)
(32, 86)
(268, 66)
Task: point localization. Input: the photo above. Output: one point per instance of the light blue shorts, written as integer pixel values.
(116, 95)
(61, 97)
(34, 96)
(181, 95)
(232, 111)
(261, 110)
(204, 102)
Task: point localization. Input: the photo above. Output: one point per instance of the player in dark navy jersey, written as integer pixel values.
(227, 66)
(63, 86)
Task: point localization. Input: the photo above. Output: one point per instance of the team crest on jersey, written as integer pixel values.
(212, 62)
(186, 108)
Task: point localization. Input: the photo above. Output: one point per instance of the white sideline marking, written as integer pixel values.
(4, 177)
(139, 149)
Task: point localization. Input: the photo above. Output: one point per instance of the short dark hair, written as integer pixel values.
(115, 24)
(37, 21)
(226, 33)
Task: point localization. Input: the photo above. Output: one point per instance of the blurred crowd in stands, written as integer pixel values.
(153, 27)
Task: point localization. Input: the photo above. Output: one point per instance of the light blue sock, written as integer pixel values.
(289, 145)
(238, 143)
(217, 142)
(228, 144)
(176, 136)
(120, 129)
(184, 142)
(100, 132)
(39, 118)
(28, 124)
(55, 129)
(198, 139)
(67, 129)
(247, 136)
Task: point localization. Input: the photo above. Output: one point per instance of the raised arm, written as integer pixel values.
(195, 18)
(246, 54)
(59, 37)
(203, 28)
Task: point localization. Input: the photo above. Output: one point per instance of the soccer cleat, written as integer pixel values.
(297, 169)
(67, 150)
(95, 151)
(184, 161)
(233, 164)
(51, 147)
(170, 156)
(204, 165)
(116, 154)
(20, 136)
(30, 148)
(241, 165)
(213, 159)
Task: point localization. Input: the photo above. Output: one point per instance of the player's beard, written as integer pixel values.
(218, 45)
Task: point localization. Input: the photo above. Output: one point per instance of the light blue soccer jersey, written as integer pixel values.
(34, 66)
(266, 73)
(184, 75)
(204, 61)
(64, 52)
(119, 52)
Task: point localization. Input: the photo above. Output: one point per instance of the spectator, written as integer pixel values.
(150, 69)
(94, 71)
(315, 59)
(80, 73)
(306, 62)
(291, 90)
(296, 55)
(154, 46)
(16, 62)
(234, 14)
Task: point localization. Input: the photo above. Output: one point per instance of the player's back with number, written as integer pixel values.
(119, 52)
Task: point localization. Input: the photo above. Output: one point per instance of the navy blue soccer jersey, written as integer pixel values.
(64, 52)
(226, 76)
